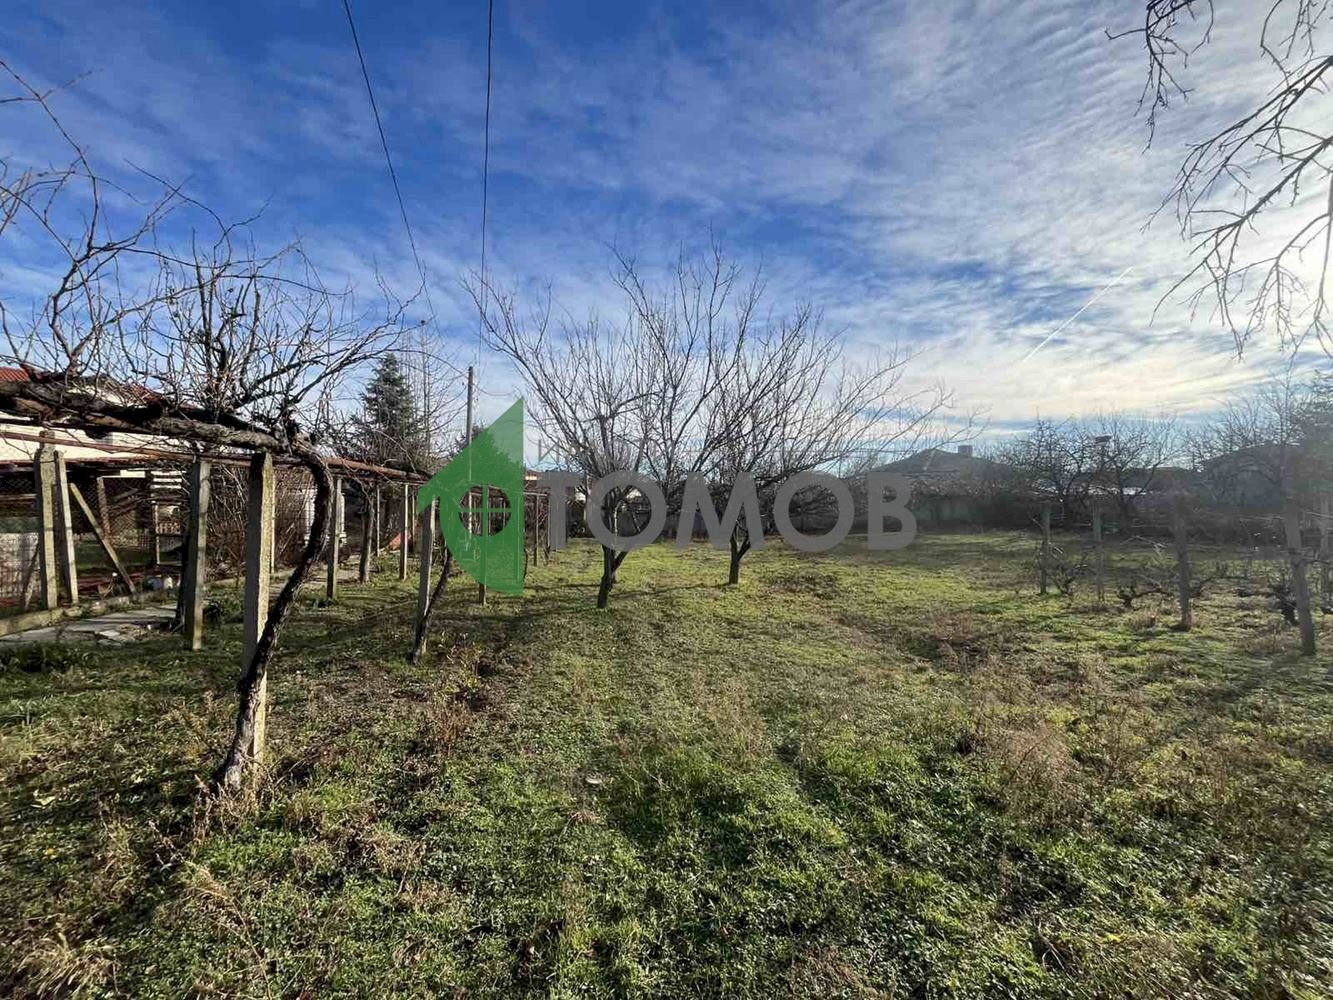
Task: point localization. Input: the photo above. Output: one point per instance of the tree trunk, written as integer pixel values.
(611, 561)
(423, 626)
(738, 550)
(237, 763)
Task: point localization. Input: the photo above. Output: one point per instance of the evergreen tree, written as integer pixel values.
(389, 430)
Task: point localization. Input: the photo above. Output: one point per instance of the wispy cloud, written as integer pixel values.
(960, 177)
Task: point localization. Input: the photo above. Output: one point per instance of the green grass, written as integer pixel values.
(854, 775)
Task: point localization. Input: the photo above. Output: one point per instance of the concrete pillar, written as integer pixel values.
(44, 477)
(1045, 544)
(65, 551)
(259, 525)
(153, 525)
(1098, 556)
(367, 536)
(196, 549)
(486, 500)
(379, 521)
(405, 523)
(335, 539)
(425, 554)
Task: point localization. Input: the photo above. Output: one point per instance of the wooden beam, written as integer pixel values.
(29, 575)
(107, 548)
(259, 528)
(66, 554)
(103, 507)
(44, 475)
(196, 553)
(425, 555)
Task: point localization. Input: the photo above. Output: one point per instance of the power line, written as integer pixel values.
(486, 135)
(485, 169)
(388, 159)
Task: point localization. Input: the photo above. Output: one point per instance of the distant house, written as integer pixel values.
(1248, 477)
(959, 487)
(938, 465)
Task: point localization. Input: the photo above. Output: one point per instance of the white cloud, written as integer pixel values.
(957, 176)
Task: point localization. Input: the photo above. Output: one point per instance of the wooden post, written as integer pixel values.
(1300, 583)
(536, 524)
(65, 548)
(485, 524)
(1099, 556)
(1045, 544)
(1181, 532)
(367, 537)
(44, 476)
(404, 522)
(196, 549)
(425, 554)
(335, 540)
(259, 525)
(1325, 551)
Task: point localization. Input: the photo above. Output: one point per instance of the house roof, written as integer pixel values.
(14, 375)
(935, 462)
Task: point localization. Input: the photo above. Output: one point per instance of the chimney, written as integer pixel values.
(965, 450)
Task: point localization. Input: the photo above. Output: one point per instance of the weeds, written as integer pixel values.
(855, 775)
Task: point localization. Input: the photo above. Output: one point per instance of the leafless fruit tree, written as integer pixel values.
(1271, 447)
(217, 345)
(795, 403)
(699, 379)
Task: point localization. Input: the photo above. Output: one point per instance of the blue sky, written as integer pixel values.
(957, 177)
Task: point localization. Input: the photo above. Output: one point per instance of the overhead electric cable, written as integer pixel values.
(388, 159)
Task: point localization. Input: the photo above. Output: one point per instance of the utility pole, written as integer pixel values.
(485, 490)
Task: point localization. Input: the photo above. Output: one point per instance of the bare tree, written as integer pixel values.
(219, 346)
(1259, 451)
(700, 381)
(793, 403)
(1269, 169)
(591, 387)
(1056, 459)
(1130, 453)
(1115, 457)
